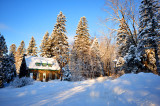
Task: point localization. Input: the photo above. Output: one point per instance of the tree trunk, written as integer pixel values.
(61, 74)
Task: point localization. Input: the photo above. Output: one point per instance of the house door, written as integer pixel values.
(50, 76)
(38, 76)
(44, 77)
(55, 75)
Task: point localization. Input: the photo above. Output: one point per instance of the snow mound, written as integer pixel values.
(20, 82)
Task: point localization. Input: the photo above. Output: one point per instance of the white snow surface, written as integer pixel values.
(141, 89)
(31, 60)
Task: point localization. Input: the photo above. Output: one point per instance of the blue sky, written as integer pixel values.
(22, 19)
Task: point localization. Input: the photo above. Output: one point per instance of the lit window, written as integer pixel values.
(38, 64)
(44, 64)
(49, 65)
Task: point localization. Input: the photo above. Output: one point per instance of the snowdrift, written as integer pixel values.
(129, 89)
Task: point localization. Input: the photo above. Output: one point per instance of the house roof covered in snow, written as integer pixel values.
(42, 63)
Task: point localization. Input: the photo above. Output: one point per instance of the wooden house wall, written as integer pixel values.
(35, 72)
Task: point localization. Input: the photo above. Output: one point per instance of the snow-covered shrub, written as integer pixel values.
(20, 82)
(132, 60)
(66, 73)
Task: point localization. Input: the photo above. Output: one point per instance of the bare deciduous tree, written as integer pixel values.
(118, 9)
(107, 51)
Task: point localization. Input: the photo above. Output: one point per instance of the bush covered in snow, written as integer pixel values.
(20, 82)
(66, 73)
(132, 61)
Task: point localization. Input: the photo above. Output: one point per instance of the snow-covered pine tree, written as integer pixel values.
(66, 73)
(81, 48)
(132, 60)
(82, 36)
(3, 51)
(19, 56)
(59, 41)
(21, 48)
(5, 68)
(48, 50)
(96, 64)
(74, 64)
(149, 30)
(53, 42)
(123, 42)
(8, 67)
(3, 46)
(12, 64)
(32, 49)
(43, 49)
(122, 39)
(12, 49)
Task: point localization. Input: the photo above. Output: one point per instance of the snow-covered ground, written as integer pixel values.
(130, 89)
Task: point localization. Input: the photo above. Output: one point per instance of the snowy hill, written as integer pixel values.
(130, 89)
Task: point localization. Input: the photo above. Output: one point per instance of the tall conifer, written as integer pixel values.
(43, 49)
(19, 55)
(149, 30)
(122, 39)
(96, 64)
(3, 46)
(32, 49)
(13, 49)
(59, 44)
(80, 51)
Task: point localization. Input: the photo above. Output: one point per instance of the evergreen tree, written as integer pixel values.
(132, 61)
(12, 64)
(82, 40)
(53, 42)
(43, 49)
(3, 46)
(148, 30)
(23, 68)
(96, 65)
(123, 39)
(48, 50)
(59, 43)
(3, 51)
(8, 68)
(13, 49)
(21, 48)
(19, 55)
(32, 49)
(80, 51)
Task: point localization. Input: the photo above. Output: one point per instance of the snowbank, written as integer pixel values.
(130, 89)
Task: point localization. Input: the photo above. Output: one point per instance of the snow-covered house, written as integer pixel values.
(42, 69)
